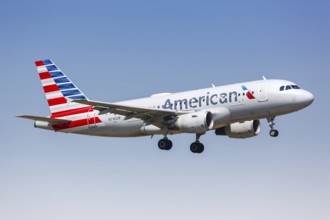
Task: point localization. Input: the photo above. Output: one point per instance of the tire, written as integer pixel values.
(162, 144)
(165, 144)
(196, 147)
(273, 133)
(169, 145)
(201, 149)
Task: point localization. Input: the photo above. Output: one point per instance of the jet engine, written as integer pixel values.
(196, 122)
(244, 129)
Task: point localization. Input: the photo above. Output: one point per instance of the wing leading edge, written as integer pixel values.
(156, 115)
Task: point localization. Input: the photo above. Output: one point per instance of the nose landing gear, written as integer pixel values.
(273, 132)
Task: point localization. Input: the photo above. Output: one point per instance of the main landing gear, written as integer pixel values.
(165, 144)
(273, 132)
(195, 147)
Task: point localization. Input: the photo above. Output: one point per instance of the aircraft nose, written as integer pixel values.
(306, 98)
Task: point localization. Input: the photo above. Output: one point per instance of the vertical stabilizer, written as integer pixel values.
(59, 90)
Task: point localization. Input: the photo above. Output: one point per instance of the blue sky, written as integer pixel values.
(118, 50)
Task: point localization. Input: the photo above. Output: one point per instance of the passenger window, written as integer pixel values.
(281, 88)
(295, 87)
(288, 87)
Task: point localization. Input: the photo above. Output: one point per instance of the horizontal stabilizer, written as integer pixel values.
(39, 118)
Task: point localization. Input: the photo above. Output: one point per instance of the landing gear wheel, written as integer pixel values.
(165, 144)
(273, 133)
(197, 147)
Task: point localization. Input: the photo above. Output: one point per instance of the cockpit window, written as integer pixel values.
(287, 87)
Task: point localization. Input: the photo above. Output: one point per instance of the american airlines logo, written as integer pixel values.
(206, 100)
(249, 94)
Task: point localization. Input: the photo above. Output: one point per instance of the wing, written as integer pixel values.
(39, 118)
(153, 116)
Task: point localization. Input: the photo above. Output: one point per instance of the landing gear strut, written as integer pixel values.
(165, 143)
(197, 147)
(273, 132)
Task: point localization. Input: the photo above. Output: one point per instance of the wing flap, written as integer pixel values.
(40, 118)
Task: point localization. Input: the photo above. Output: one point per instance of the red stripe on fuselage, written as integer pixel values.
(56, 101)
(77, 123)
(51, 88)
(45, 75)
(39, 63)
(72, 112)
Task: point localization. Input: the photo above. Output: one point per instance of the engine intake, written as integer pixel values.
(245, 129)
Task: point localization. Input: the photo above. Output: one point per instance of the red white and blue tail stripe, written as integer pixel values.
(59, 90)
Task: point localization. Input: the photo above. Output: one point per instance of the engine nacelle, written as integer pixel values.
(221, 116)
(245, 129)
(196, 122)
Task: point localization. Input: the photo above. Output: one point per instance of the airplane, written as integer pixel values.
(232, 110)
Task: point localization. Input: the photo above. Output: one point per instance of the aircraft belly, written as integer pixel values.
(111, 126)
(123, 128)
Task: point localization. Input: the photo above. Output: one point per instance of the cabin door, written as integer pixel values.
(91, 120)
(263, 96)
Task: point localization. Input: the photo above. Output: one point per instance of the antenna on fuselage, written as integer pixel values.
(213, 85)
(264, 77)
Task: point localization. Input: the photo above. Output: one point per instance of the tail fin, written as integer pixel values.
(59, 89)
